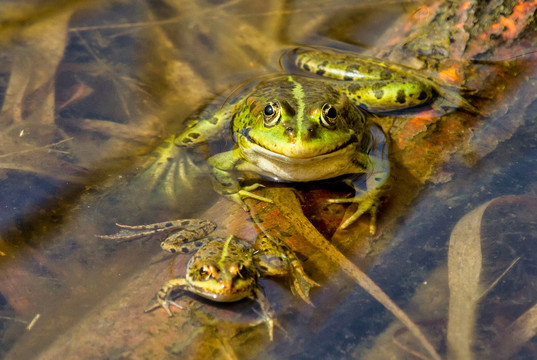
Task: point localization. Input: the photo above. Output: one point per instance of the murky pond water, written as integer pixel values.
(91, 89)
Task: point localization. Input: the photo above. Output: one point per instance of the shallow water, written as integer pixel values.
(107, 84)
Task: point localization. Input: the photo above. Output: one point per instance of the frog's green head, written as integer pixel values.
(298, 129)
(222, 270)
(297, 117)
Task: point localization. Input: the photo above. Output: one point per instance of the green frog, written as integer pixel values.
(311, 126)
(221, 269)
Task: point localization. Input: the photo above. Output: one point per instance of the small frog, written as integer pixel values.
(222, 270)
(305, 127)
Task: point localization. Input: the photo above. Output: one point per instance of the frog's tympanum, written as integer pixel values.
(311, 126)
(223, 270)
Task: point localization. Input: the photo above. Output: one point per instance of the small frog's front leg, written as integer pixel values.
(224, 167)
(163, 295)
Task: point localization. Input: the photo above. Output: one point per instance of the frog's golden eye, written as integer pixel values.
(205, 272)
(271, 113)
(328, 116)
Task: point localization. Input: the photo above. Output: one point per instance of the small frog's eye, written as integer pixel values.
(271, 113)
(328, 116)
(205, 272)
(243, 271)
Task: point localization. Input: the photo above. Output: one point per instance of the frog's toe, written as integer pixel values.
(302, 283)
(245, 193)
(165, 304)
(301, 287)
(362, 209)
(366, 204)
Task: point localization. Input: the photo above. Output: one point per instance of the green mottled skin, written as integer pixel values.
(371, 83)
(317, 127)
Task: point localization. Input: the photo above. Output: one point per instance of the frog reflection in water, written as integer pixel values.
(223, 270)
(298, 128)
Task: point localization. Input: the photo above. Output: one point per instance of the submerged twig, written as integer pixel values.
(29, 325)
(32, 323)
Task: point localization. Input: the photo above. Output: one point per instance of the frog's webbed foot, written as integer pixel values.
(367, 202)
(266, 315)
(301, 282)
(177, 233)
(163, 296)
(171, 173)
(164, 304)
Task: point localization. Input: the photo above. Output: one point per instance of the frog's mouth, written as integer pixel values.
(213, 290)
(298, 151)
(329, 164)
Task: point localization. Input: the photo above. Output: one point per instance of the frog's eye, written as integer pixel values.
(271, 113)
(328, 116)
(205, 272)
(243, 271)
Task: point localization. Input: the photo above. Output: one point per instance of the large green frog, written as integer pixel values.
(311, 126)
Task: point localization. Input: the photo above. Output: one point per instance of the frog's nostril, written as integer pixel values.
(289, 129)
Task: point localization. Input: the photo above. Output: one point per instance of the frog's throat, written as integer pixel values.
(285, 168)
(213, 290)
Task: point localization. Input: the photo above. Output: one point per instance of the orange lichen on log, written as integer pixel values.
(509, 27)
(416, 125)
(450, 74)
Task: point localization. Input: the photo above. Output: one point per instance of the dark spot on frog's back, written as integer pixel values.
(422, 96)
(401, 97)
(386, 75)
(354, 88)
(379, 94)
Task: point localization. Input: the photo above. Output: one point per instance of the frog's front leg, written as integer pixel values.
(224, 167)
(164, 294)
(368, 201)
